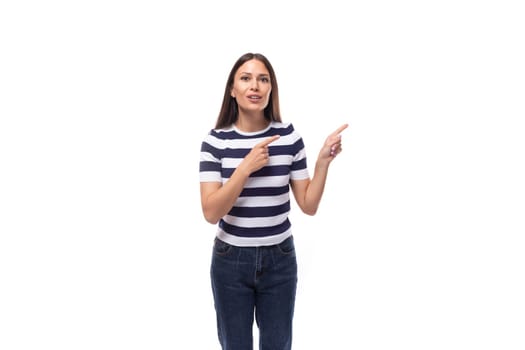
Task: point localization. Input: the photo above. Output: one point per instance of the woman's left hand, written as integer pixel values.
(332, 146)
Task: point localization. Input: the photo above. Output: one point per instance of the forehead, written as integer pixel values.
(254, 67)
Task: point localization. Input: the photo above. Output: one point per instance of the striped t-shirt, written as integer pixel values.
(260, 214)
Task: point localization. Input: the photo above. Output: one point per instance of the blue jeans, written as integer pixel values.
(254, 280)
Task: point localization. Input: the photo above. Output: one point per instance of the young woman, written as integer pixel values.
(248, 163)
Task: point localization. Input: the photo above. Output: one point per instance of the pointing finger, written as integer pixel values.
(340, 129)
(267, 141)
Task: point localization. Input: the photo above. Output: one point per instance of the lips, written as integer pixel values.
(254, 99)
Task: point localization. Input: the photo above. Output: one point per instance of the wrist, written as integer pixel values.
(242, 171)
(322, 164)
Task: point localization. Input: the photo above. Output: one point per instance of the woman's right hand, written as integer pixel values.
(258, 156)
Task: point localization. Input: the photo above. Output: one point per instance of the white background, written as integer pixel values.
(419, 240)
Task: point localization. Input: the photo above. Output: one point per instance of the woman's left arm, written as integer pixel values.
(308, 192)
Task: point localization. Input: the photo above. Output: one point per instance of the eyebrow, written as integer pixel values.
(263, 74)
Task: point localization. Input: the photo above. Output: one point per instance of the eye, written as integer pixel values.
(245, 78)
(265, 79)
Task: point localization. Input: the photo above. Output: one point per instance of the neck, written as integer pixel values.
(251, 123)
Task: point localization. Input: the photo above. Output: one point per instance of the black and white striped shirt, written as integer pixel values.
(260, 214)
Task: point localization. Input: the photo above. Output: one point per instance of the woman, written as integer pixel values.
(248, 163)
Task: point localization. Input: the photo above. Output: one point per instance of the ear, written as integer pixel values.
(232, 93)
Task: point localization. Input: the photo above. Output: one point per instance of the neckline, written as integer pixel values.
(251, 133)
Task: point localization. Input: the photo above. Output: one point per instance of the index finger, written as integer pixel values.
(340, 129)
(267, 141)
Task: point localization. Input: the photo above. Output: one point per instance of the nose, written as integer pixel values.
(255, 85)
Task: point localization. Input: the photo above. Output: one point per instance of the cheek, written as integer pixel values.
(267, 100)
(268, 94)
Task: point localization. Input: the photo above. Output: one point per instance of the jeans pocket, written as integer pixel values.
(221, 247)
(287, 246)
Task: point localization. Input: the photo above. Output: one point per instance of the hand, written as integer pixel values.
(258, 156)
(332, 146)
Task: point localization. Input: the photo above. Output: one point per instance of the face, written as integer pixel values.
(252, 86)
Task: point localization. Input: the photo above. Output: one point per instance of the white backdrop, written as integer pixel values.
(418, 243)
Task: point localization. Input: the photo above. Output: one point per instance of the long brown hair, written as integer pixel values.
(229, 110)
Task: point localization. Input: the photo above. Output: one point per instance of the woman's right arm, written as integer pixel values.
(218, 199)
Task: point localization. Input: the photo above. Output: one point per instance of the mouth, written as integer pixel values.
(254, 98)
